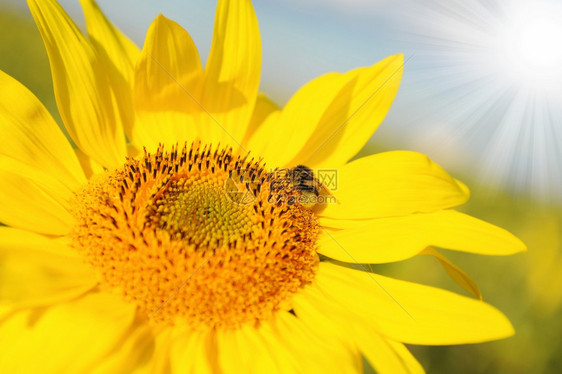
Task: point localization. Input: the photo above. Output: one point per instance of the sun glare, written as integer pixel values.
(496, 69)
(530, 44)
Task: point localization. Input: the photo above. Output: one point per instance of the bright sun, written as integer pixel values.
(497, 69)
(530, 44)
(539, 45)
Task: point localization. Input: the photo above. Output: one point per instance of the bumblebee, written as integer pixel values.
(311, 191)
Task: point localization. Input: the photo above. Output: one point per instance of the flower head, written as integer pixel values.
(197, 227)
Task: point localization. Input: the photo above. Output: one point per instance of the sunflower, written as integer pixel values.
(193, 226)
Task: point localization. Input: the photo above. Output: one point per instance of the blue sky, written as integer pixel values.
(482, 83)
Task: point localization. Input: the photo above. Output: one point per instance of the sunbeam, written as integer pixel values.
(496, 67)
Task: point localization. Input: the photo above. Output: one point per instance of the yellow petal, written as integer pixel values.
(30, 135)
(193, 352)
(90, 166)
(398, 238)
(33, 200)
(117, 49)
(232, 73)
(355, 114)
(72, 338)
(309, 349)
(263, 109)
(36, 270)
(409, 312)
(385, 355)
(118, 56)
(141, 352)
(456, 273)
(282, 135)
(84, 97)
(283, 344)
(393, 184)
(167, 85)
(376, 350)
(246, 348)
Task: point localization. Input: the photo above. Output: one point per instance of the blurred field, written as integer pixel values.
(526, 287)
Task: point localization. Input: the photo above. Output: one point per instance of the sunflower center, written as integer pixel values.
(198, 209)
(197, 237)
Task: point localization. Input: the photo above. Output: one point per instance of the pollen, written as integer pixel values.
(197, 236)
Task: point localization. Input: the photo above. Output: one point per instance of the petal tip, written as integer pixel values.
(520, 245)
(463, 188)
(159, 19)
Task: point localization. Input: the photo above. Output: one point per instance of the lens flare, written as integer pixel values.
(530, 44)
(495, 70)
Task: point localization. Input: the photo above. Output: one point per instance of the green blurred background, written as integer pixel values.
(526, 287)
